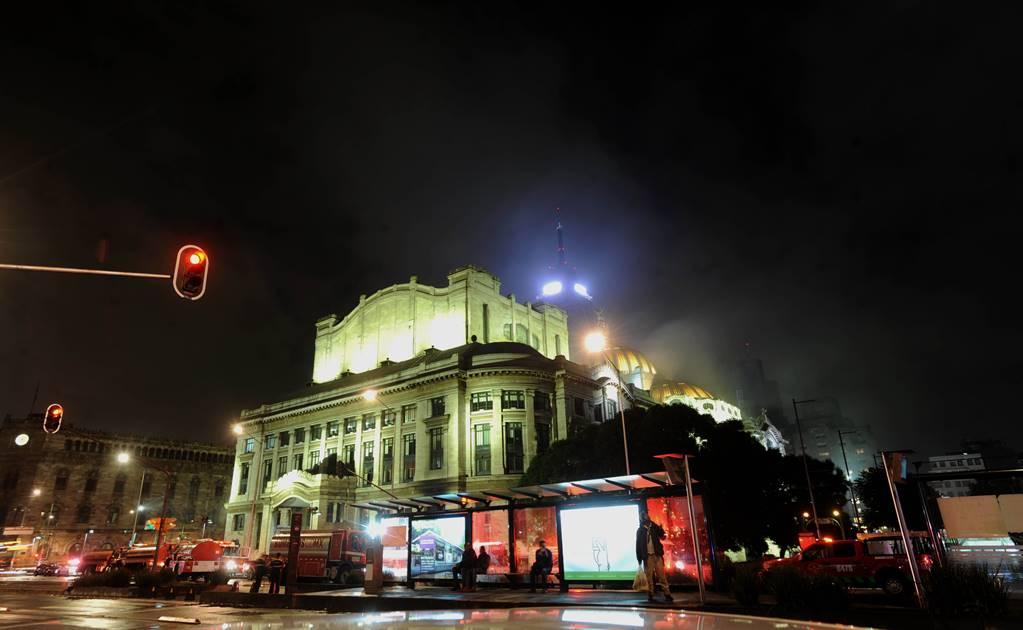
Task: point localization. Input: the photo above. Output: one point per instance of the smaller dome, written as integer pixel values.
(672, 390)
(634, 367)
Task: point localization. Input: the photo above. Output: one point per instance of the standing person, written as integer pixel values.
(276, 569)
(541, 567)
(469, 569)
(258, 573)
(482, 561)
(650, 553)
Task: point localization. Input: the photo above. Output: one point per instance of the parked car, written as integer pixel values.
(875, 561)
(50, 568)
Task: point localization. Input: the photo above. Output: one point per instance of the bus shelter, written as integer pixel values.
(589, 525)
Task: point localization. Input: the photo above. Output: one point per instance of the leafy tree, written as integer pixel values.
(877, 509)
(752, 494)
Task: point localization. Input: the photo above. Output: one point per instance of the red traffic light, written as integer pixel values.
(53, 417)
(190, 270)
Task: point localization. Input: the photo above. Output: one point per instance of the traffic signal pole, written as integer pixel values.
(93, 272)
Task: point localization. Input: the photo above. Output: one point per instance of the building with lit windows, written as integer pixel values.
(67, 492)
(419, 390)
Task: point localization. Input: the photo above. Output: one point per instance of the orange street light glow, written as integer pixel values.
(237, 429)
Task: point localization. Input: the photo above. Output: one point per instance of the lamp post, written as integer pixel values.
(848, 473)
(597, 342)
(806, 467)
(124, 458)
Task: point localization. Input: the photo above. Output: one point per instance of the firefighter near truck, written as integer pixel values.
(338, 556)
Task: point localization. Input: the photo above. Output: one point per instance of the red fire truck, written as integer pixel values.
(199, 559)
(874, 561)
(335, 555)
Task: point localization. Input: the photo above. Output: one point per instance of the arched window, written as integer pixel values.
(84, 513)
(508, 332)
(193, 488)
(119, 482)
(521, 334)
(107, 545)
(113, 514)
(74, 548)
(218, 490)
(60, 481)
(92, 480)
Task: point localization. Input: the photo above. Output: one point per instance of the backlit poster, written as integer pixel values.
(599, 543)
(672, 514)
(437, 545)
(394, 538)
(490, 532)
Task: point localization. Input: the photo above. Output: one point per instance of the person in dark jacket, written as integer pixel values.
(482, 561)
(258, 573)
(541, 567)
(467, 570)
(650, 554)
(276, 574)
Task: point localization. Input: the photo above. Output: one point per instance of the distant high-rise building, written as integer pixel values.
(955, 463)
(756, 395)
(828, 433)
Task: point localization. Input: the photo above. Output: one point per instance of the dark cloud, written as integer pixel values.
(836, 187)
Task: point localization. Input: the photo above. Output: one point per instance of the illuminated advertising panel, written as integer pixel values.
(599, 543)
(394, 538)
(672, 514)
(490, 532)
(437, 545)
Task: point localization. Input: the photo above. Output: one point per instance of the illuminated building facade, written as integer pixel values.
(419, 390)
(403, 320)
(66, 492)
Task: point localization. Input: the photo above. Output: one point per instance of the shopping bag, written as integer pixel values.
(640, 583)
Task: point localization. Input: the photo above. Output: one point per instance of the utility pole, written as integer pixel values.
(138, 508)
(848, 473)
(806, 467)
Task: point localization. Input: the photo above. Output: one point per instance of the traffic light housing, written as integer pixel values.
(190, 271)
(52, 418)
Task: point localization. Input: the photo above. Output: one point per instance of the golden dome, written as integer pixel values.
(671, 390)
(633, 366)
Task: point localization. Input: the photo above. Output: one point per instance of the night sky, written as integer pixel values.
(838, 187)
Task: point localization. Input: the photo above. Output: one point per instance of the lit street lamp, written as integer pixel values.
(595, 342)
(36, 492)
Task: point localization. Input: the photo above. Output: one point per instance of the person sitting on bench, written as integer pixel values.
(542, 567)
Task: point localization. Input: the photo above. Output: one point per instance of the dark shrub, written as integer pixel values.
(147, 580)
(961, 591)
(746, 586)
(802, 595)
(114, 579)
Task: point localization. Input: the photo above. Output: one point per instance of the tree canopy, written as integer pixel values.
(752, 494)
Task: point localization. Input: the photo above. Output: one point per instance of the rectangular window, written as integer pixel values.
(332, 429)
(486, 323)
(330, 511)
(436, 449)
(250, 445)
(268, 471)
(351, 426)
(238, 522)
(513, 448)
(513, 399)
(612, 409)
(299, 436)
(598, 413)
(316, 432)
(541, 401)
(388, 419)
(436, 406)
(367, 462)
(296, 461)
(579, 406)
(543, 437)
(270, 442)
(481, 401)
(243, 480)
(408, 456)
(348, 456)
(408, 414)
(285, 438)
(481, 448)
(387, 457)
(369, 421)
(282, 465)
(331, 452)
(314, 458)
